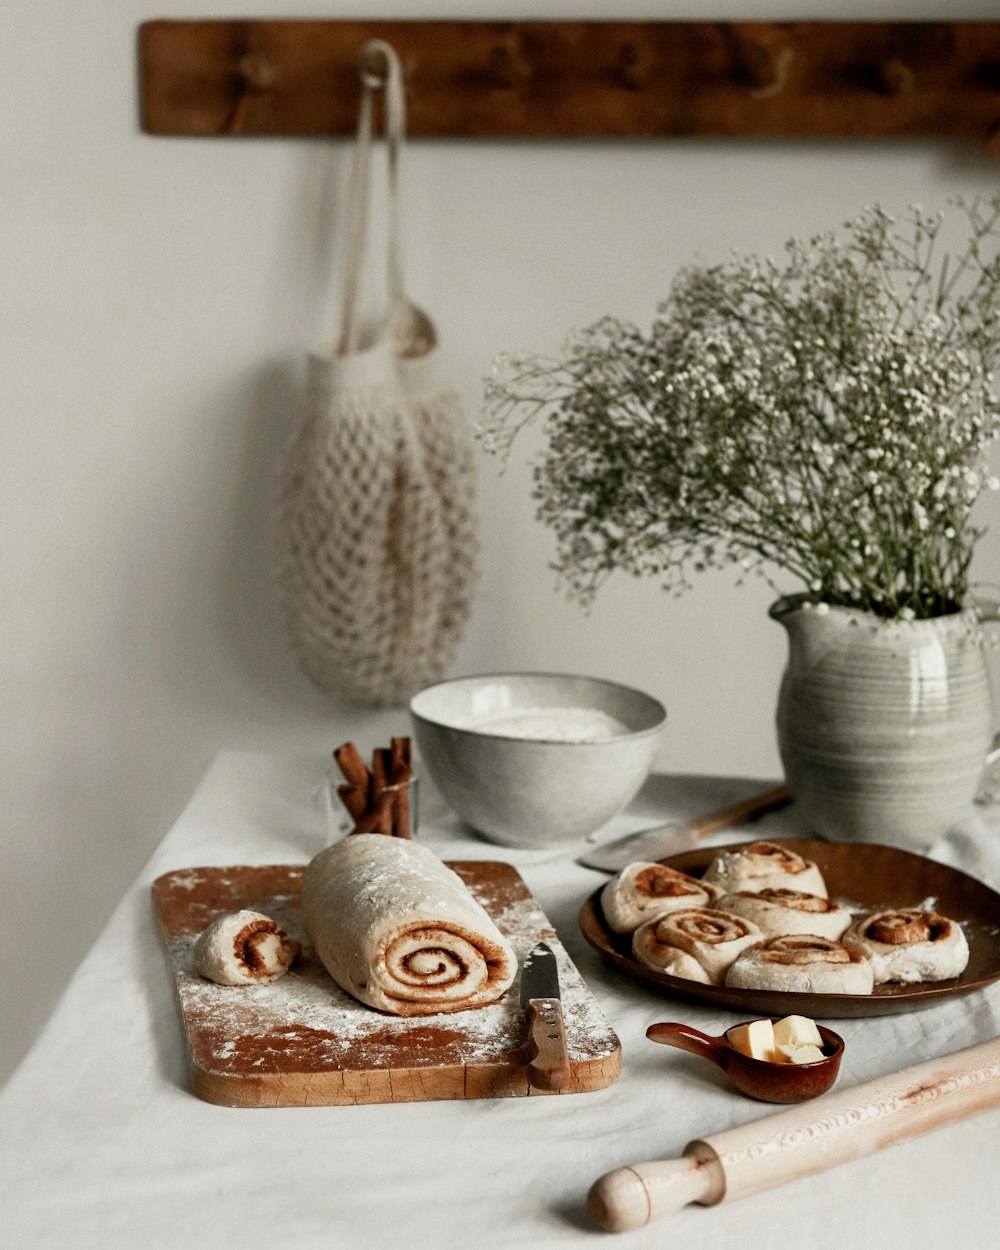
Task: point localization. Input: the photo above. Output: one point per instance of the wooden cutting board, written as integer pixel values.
(302, 1041)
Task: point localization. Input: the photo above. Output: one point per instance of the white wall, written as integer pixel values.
(156, 297)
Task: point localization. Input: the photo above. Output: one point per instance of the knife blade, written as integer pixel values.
(673, 838)
(548, 1066)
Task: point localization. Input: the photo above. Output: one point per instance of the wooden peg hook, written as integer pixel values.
(508, 68)
(765, 55)
(633, 72)
(581, 79)
(256, 77)
(373, 65)
(896, 76)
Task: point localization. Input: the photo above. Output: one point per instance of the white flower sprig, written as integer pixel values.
(829, 415)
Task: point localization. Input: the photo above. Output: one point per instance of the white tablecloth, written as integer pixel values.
(103, 1145)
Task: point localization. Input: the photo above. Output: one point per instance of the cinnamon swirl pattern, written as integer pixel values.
(244, 948)
(644, 890)
(802, 963)
(762, 866)
(712, 938)
(910, 945)
(400, 931)
(780, 911)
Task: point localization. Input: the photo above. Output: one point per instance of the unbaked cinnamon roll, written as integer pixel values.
(910, 945)
(644, 890)
(680, 964)
(244, 948)
(711, 937)
(780, 911)
(400, 931)
(802, 963)
(762, 866)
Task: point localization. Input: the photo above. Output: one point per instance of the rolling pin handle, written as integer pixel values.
(631, 1197)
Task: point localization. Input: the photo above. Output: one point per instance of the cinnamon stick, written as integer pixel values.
(354, 800)
(381, 768)
(399, 753)
(377, 799)
(401, 771)
(353, 767)
(378, 818)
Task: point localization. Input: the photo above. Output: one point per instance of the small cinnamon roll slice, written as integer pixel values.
(643, 890)
(763, 866)
(710, 937)
(910, 945)
(802, 963)
(244, 948)
(780, 911)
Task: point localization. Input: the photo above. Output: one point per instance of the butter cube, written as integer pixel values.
(798, 1054)
(797, 1031)
(756, 1039)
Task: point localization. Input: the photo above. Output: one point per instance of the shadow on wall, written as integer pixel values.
(218, 667)
(246, 573)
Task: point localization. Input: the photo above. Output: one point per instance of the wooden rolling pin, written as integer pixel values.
(807, 1138)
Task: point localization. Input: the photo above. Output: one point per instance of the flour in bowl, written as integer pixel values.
(548, 724)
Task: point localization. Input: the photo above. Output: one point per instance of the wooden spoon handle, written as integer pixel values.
(741, 812)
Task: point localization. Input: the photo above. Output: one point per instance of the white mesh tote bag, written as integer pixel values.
(376, 526)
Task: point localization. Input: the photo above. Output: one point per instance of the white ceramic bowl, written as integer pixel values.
(535, 791)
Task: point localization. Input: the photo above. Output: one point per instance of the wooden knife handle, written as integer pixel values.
(808, 1138)
(739, 813)
(548, 1066)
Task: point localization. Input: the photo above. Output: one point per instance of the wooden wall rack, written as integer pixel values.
(582, 79)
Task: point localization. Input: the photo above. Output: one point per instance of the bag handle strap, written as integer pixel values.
(380, 69)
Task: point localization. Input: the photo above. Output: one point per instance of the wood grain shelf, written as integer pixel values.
(582, 79)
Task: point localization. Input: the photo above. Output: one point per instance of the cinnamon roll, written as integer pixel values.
(804, 964)
(780, 911)
(764, 865)
(244, 948)
(910, 945)
(677, 963)
(643, 890)
(400, 931)
(710, 937)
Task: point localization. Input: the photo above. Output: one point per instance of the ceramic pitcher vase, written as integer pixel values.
(883, 726)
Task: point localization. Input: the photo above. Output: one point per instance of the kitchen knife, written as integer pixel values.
(671, 839)
(549, 1059)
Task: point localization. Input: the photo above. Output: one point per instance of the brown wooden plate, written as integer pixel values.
(864, 878)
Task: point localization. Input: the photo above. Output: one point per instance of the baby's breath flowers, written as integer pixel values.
(828, 415)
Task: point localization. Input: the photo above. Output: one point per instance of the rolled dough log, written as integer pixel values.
(400, 931)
